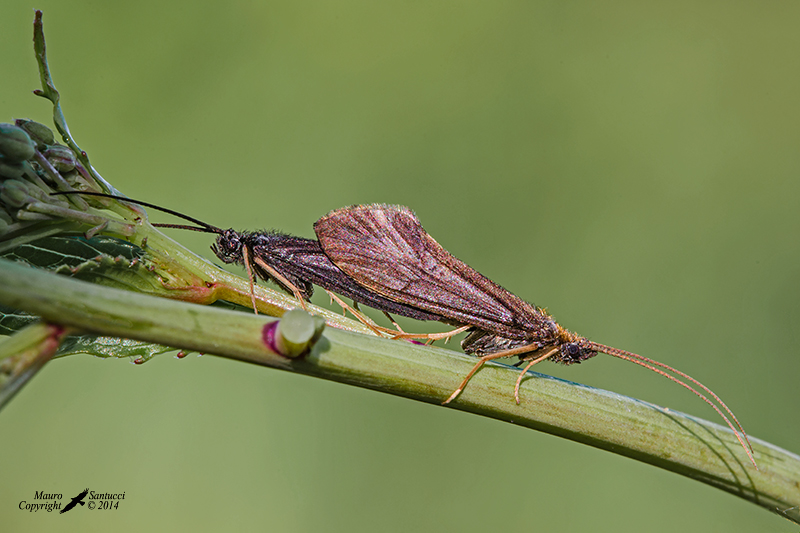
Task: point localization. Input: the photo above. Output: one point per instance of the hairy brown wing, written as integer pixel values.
(386, 249)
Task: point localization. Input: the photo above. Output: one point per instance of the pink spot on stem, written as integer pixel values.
(268, 336)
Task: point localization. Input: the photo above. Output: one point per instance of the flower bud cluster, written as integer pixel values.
(32, 166)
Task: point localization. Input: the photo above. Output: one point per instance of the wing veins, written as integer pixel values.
(386, 249)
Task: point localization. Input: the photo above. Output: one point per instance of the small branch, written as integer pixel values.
(49, 91)
(674, 441)
(24, 354)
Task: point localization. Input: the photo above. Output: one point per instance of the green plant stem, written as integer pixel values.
(668, 439)
(23, 354)
(192, 278)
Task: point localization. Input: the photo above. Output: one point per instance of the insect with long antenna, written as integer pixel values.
(386, 249)
(294, 263)
(381, 256)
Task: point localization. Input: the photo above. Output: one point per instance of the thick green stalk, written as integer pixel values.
(671, 440)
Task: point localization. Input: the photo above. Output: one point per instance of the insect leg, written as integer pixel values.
(246, 256)
(360, 316)
(490, 357)
(527, 367)
(433, 336)
(430, 337)
(283, 281)
(394, 323)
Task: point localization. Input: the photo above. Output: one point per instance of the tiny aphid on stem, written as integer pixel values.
(385, 249)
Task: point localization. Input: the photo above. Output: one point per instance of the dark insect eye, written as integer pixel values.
(573, 349)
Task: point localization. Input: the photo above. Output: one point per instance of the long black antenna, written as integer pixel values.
(204, 227)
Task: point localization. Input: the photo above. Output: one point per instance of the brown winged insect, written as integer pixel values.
(380, 256)
(385, 249)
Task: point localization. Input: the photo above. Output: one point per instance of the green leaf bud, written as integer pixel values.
(15, 144)
(61, 157)
(10, 170)
(14, 193)
(41, 134)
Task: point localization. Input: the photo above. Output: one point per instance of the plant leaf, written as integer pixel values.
(102, 260)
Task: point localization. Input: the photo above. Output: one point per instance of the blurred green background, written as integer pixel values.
(632, 167)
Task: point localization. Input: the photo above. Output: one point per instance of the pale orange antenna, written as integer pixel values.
(685, 376)
(650, 364)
